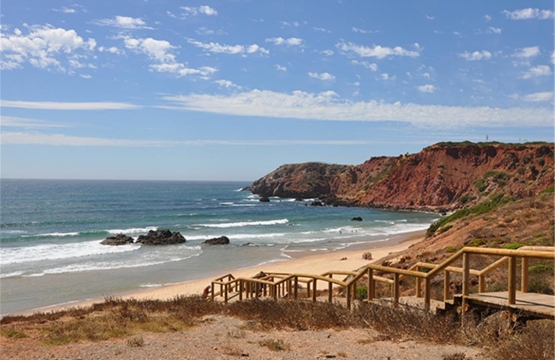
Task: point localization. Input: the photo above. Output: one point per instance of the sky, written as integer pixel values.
(231, 90)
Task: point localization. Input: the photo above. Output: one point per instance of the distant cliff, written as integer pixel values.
(444, 176)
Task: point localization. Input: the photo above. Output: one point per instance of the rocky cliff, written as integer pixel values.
(444, 176)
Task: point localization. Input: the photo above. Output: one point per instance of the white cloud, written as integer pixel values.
(43, 47)
(227, 84)
(529, 13)
(160, 52)
(493, 30)
(362, 31)
(86, 76)
(289, 42)
(322, 30)
(123, 22)
(366, 64)
(553, 57)
(13, 121)
(376, 51)
(281, 68)
(71, 9)
(326, 52)
(429, 17)
(207, 10)
(294, 23)
(487, 18)
(228, 49)
(527, 52)
(427, 88)
(50, 105)
(19, 138)
(111, 50)
(539, 96)
(386, 76)
(540, 70)
(327, 106)
(323, 76)
(194, 11)
(476, 55)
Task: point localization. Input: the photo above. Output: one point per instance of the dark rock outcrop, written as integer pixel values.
(222, 240)
(316, 203)
(119, 239)
(161, 237)
(356, 218)
(264, 199)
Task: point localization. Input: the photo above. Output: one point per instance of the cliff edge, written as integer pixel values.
(441, 177)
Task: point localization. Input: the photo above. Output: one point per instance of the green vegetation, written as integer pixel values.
(361, 292)
(479, 209)
(466, 198)
(513, 246)
(541, 268)
(451, 249)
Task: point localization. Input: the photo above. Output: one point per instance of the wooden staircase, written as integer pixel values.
(297, 286)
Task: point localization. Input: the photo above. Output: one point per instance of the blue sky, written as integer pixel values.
(230, 90)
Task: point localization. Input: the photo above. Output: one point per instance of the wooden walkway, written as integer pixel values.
(531, 304)
(290, 286)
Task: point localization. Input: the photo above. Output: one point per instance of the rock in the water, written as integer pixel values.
(316, 203)
(161, 237)
(119, 239)
(222, 240)
(264, 199)
(356, 218)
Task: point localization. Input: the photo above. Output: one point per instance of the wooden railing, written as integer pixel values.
(278, 285)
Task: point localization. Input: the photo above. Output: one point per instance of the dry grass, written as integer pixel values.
(116, 318)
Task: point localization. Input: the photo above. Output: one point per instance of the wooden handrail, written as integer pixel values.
(229, 282)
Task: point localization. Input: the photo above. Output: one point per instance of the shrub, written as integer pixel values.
(541, 162)
(513, 246)
(549, 190)
(361, 293)
(450, 249)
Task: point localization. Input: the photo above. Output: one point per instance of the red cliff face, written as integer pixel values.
(445, 175)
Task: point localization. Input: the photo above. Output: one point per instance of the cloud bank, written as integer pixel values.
(327, 106)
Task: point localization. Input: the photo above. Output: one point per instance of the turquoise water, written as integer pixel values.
(51, 231)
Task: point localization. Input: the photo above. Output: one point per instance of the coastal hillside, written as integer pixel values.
(441, 177)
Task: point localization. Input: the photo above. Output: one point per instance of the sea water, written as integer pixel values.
(51, 231)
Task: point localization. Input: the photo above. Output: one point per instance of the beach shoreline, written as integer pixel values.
(340, 260)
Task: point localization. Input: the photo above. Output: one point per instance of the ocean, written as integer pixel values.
(51, 230)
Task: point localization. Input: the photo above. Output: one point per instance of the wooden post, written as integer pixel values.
(512, 280)
(212, 287)
(371, 285)
(314, 291)
(289, 288)
(524, 275)
(225, 295)
(466, 275)
(418, 284)
(465, 285)
(295, 290)
(308, 289)
(446, 288)
(348, 297)
(481, 283)
(427, 293)
(240, 289)
(396, 289)
(274, 291)
(330, 289)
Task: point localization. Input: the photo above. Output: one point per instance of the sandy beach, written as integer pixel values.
(345, 260)
(342, 260)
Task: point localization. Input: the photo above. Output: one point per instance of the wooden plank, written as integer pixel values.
(530, 303)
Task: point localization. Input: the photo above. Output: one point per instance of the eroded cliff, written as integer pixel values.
(444, 176)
